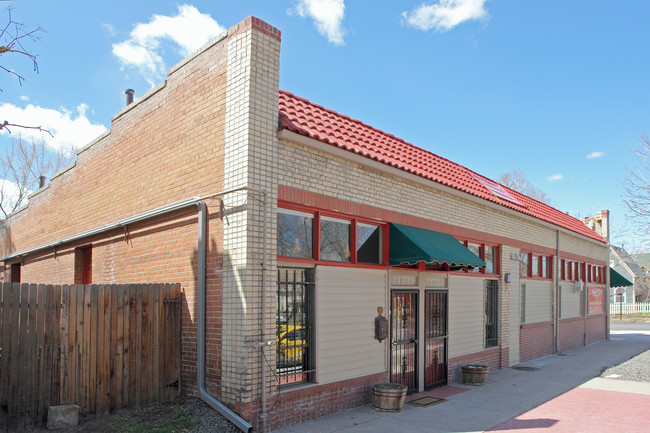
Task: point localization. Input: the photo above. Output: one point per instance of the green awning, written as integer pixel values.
(410, 245)
(618, 280)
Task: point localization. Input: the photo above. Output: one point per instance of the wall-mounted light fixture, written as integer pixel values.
(506, 278)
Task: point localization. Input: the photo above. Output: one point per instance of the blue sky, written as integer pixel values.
(557, 89)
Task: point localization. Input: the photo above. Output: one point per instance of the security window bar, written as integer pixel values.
(294, 326)
(491, 313)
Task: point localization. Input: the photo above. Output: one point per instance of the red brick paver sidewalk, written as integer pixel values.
(584, 410)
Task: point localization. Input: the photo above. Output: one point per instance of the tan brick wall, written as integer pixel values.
(320, 172)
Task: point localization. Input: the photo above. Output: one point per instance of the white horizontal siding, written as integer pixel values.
(539, 299)
(466, 310)
(346, 307)
(569, 302)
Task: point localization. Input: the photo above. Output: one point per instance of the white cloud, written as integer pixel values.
(110, 29)
(188, 30)
(327, 15)
(443, 15)
(70, 129)
(593, 155)
(24, 98)
(555, 177)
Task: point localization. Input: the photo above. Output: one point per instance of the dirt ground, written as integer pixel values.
(183, 415)
(630, 318)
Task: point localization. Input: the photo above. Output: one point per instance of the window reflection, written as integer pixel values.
(295, 234)
(334, 239)
(368, 243)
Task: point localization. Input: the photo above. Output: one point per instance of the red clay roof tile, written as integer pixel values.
(314, 121)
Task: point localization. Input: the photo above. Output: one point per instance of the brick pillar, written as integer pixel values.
(250, 154)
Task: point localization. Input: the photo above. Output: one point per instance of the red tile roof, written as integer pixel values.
(311, 120)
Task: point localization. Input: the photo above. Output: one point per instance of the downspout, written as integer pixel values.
(238, 421)
(231, 416)
(557, 292)
(264, 343)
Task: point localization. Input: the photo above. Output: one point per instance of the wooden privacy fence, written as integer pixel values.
(103, 347)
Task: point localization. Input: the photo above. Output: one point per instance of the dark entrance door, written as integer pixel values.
(404, 338)
(435, 330)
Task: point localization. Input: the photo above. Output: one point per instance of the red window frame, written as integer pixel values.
(83, 265)
(317, 214)
(482, 254)
(537, 272)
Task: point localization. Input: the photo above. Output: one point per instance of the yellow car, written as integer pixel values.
(291, 344)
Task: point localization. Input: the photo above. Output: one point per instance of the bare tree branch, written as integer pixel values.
(21, 169)
(517, 180)
(11, 41)
(5, 125)
(637, 187)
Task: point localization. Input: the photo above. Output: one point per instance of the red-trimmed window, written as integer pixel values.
(486, 252)
(562, 269)
(326, 236)
(546, 267)
(83, 258)
(524, 265)
(14, 276)
(535, 266)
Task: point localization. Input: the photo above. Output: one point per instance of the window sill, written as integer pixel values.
(286, 389)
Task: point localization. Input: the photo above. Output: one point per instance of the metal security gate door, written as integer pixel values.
(435, 330)
(404, 343)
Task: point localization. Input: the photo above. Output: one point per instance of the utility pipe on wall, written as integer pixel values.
(557, 292)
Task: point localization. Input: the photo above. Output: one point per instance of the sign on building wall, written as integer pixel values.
(595, 300)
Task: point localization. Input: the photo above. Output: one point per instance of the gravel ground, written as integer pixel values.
(636, 369)
(158, 418)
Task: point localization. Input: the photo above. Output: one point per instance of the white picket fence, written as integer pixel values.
(637, 308)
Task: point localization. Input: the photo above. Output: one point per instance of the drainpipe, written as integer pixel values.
(231, 416)
(557, 292)
(200, 366)
(263, 343)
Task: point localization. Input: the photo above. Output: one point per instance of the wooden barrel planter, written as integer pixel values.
(475, 374)
(388, 397)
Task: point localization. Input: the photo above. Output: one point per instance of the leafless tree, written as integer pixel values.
(637, 187)
(642, 290)
(13, 38)
(21, 169)
(517, 180)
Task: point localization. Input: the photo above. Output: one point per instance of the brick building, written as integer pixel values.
(293, 229)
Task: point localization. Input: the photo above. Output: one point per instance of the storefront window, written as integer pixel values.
(476, 249)
(368, 243)
(334, 239)
(525, 264)
(490, 259)
(535, 267)
(295, 234)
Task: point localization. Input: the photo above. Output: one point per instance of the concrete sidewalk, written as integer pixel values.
(561, 393)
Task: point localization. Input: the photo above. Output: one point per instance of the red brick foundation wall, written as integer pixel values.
(572, 333)
(495, 358)
(535, 341)
(596, 328)
(292, 407)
